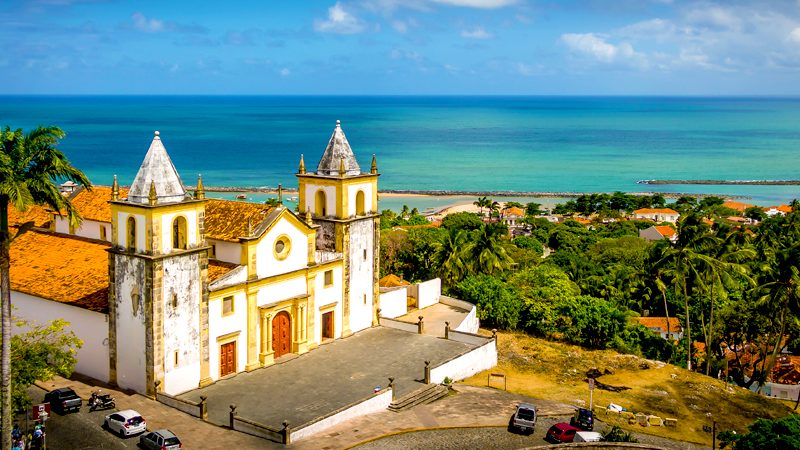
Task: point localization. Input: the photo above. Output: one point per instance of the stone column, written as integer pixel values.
(267, 356)
(252, 340)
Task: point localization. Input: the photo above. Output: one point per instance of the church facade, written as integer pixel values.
(171, 290)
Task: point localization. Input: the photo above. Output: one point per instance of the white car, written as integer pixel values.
(125, 423)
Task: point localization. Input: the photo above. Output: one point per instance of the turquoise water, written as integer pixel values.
(572, 144)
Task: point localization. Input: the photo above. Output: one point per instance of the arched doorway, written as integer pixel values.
(360, 203)
(281, 334)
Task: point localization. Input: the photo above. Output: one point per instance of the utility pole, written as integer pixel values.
(591, 394)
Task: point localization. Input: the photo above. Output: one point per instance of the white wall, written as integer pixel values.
(181, 324)
(429, 292)
(275, 292)
(468, 364)
(323, 298)
(266, 263)
(130, 324)
(471, 323)
(88, 228)
(227, 251)
(376, 403)
(361, 274)
(219, 325)
(352, 191)
(311, 197)
(89, 326)
(393, 302)
(166, 229)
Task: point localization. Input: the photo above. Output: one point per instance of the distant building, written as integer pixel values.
(737, 206)
(659, 325)
(512, 216)
(657, 214)
(782, 210)
(658, 232)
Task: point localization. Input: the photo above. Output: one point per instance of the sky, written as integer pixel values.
(400, 47)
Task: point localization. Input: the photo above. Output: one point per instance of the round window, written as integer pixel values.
(282, 246)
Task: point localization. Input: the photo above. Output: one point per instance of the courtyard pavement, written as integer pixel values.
(435, 316)
(327, 378)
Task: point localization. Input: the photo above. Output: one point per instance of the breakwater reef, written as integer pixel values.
(726, 182)
(458, 193)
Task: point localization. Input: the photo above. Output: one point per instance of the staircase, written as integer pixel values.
(425, 394)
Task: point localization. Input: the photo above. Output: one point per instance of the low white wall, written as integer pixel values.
(429, 292)
(782, 391)
(377, 402)
(467, 364)
(467, 338)
(393, 303)
(471, 323)
(89, 326)
(405, 326)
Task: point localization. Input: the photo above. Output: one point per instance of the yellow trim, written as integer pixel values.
(232, 336)
(255, 285)
(341, 185)
(287, 247)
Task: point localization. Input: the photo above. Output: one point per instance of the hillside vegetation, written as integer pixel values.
(557, 371)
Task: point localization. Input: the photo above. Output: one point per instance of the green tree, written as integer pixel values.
(482, 202)
(462, 221)
(755, 213)
(764, 434)
(533, 209)
(496, 302)
(39, 353)
(594, 322)
(30, 168)
(449, 255)
(486, 251)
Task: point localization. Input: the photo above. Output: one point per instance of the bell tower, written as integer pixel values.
(158, 299)
(343, 201)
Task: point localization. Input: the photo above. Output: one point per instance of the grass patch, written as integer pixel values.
(556, 371)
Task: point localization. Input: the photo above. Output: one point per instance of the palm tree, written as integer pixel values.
(30, 167)
(449, 256)
(482, 202)
(486, 251)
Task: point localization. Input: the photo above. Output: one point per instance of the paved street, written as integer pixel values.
(327, 378)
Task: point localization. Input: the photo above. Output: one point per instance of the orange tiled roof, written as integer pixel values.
(392, 280)
(65, 269)
(35, 213)
(738, 206)
(217, 269)
(227, 220)
(660, 324)
(784, 208)
(93, 205)
(582, 221)
(655, 211)
(665, 230)
(514, 211)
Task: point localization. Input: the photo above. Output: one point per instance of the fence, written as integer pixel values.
(189, 407)
(377, 402)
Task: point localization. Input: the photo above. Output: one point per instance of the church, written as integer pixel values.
(170, 290)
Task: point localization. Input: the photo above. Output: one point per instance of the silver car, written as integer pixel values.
(125, 423)
(524, 418)
(160, 440)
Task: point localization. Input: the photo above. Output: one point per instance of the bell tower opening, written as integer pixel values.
(360, 203)
(131, 241)
(320, 202)
(179, 233)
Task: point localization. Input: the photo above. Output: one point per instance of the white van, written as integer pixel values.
(588, 436)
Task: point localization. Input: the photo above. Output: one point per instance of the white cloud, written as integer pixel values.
(339, 21)
(409, 55)
(285, 72)
(794, 35)
(476, 33)
(714, 17)
(400, 26)
(142, 23)
(591, 45)
(481, 4)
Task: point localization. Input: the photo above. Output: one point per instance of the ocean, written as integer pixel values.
(552, 144)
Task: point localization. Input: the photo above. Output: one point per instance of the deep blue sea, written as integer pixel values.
(574, 144)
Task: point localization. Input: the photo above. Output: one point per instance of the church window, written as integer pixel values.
(365, 254)
(212, 251)
(135, 300)
(321, 202)
(131, 233)
(282, 247)
(365, 299)
(328, 278)
(360, 203)
(103, 233)
(179, 233)
(176, 358)
(227, 305)
(174, 300)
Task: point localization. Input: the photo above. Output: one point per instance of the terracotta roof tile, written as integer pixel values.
(666, 230)
(65, 269)
(655, 211)
(37, 214)
(227, 220)
(93, 205)
(738, 206)
(514, 211)
(660, 323)
(217, 269)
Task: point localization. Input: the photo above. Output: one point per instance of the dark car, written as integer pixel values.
(583, 419)
(63, 400)
(160, 440)
(561, 432)
(524, 418)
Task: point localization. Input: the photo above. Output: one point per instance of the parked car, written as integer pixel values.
(583, 419)
(588, 436)
(561, 432)
(125, 423)
(160, 440)
(63, 400)
(524, 418)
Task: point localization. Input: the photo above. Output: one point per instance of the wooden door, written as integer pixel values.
(227, 359)
(281, 334)
(327, 325)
